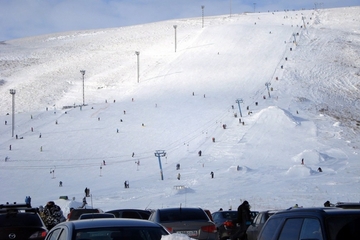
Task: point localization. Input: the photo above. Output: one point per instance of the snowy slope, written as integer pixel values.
(181, 102)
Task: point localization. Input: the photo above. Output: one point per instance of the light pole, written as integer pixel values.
(254, 6)
(303, 18)
(138, 65)
(83, 78)
(294, 35)
(175, 26)
(238, 101)
(267, 86)
(230, 8)
(159, 154)
(202, 8)
(12, 92)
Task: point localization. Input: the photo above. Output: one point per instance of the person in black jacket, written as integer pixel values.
(52, 215)
(243, 220)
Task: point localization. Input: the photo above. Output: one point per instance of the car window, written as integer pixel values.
(130, 214)
(344, 227)
(54, 234)
(291, 229)
(63, 234)
(311, 229)
(119, 233)
(230, 215)
(258, 218)
(20, 219)
(144, 215)
(270, 229)
(171, 215)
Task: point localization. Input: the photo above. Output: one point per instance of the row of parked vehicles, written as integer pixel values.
(341, 222)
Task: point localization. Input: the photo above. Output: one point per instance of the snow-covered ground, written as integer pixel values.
(180, 104)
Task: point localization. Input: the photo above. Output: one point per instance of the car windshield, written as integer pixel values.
(344, 227)
(118, 233)
(19, 219)
(171, 215)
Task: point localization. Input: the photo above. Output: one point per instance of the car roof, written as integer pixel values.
(109, 222)
(96, 215)
(129, 209)
(348, 205)
(319, 211)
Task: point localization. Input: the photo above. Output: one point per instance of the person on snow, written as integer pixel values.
(52, 215)
(243, 220)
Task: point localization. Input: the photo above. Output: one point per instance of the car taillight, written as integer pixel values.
(209, 228)
(170, 229)
(228, 224)
(38, 234)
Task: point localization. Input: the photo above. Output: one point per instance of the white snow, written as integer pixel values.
(313, 113)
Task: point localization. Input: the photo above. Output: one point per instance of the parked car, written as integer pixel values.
(107, 229)
(226, 221)
(21, 221)
(131, 213)
(193, 222)
(77, 212)
(328, 223)
(96, 215)
(254, 229)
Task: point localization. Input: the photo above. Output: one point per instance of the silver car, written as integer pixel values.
(193, 222)
(107, 229)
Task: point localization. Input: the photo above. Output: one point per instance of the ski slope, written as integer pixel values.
(181, 102)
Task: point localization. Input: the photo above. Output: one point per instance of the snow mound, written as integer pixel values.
(300, 171)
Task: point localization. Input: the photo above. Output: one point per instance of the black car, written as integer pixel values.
(313, 223)
(254, 229)
(226, 222)
(21, 221)
(107, 229)
(131, 213)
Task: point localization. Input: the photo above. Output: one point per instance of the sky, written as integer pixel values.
(25, 18)
(206, 94)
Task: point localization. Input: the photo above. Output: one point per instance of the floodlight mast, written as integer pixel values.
(159, 154)
(83, 79)
(175, 26)
(138, 65)
(230, 8)
(12, 92)
(267, 86)
(238, 101)
(202, 8)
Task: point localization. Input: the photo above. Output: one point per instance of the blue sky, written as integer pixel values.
(24, 18)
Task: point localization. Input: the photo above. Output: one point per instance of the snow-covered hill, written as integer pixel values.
(308, 59)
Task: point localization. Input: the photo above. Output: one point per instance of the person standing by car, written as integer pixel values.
(52, 215)
(244, 220)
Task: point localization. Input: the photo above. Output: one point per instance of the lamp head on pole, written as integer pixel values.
(82, 72)
(12, 91)
(137, 53)
(175, 26)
